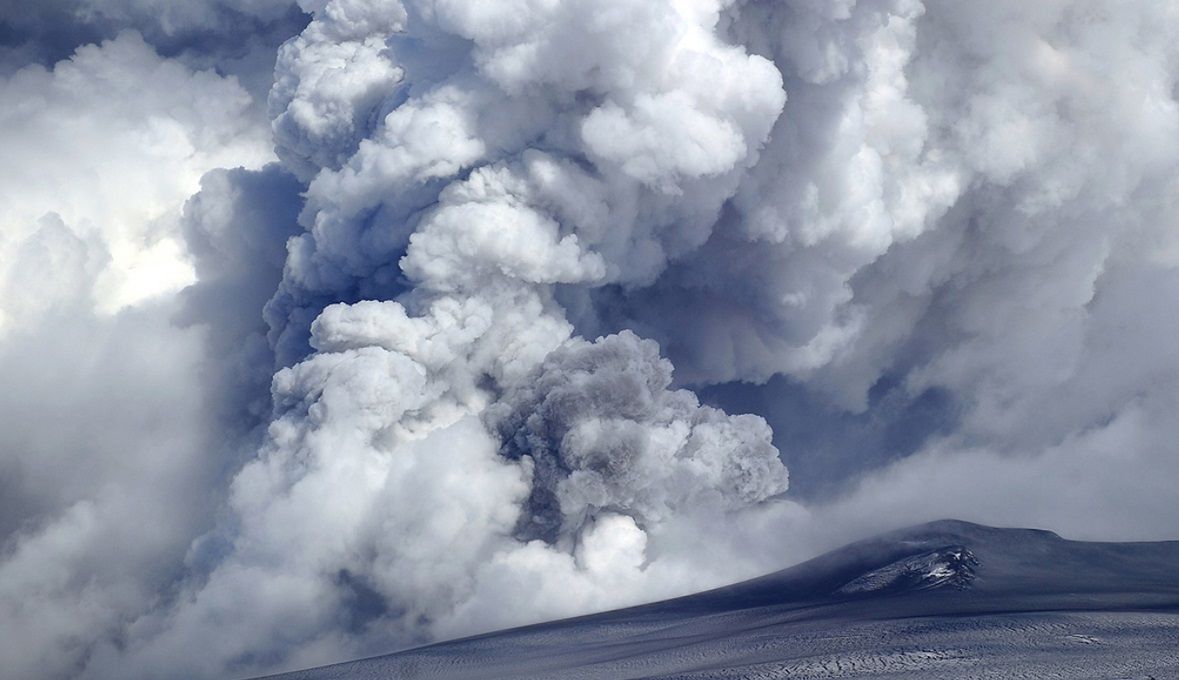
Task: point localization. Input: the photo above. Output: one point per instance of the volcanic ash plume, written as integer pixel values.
(441, 399)
(457, 445)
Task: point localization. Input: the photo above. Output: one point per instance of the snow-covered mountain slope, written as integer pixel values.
(946, 599)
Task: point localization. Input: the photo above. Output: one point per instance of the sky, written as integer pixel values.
(335, 327)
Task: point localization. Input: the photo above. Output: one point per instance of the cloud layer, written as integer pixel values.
(416, 380)
(107, 421)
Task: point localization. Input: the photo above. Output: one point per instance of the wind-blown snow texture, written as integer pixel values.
(338, 326)
(1030, 605)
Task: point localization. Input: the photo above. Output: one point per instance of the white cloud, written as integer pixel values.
(109, 144)
(106, 430)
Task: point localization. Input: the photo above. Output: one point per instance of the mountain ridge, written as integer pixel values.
(891, 604)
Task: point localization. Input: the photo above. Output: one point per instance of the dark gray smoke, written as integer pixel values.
(604, 432)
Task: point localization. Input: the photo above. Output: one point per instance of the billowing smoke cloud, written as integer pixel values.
(495, 227)
(433, 451)
(604, 432)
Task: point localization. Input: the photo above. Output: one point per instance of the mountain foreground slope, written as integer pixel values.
(945, 599)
